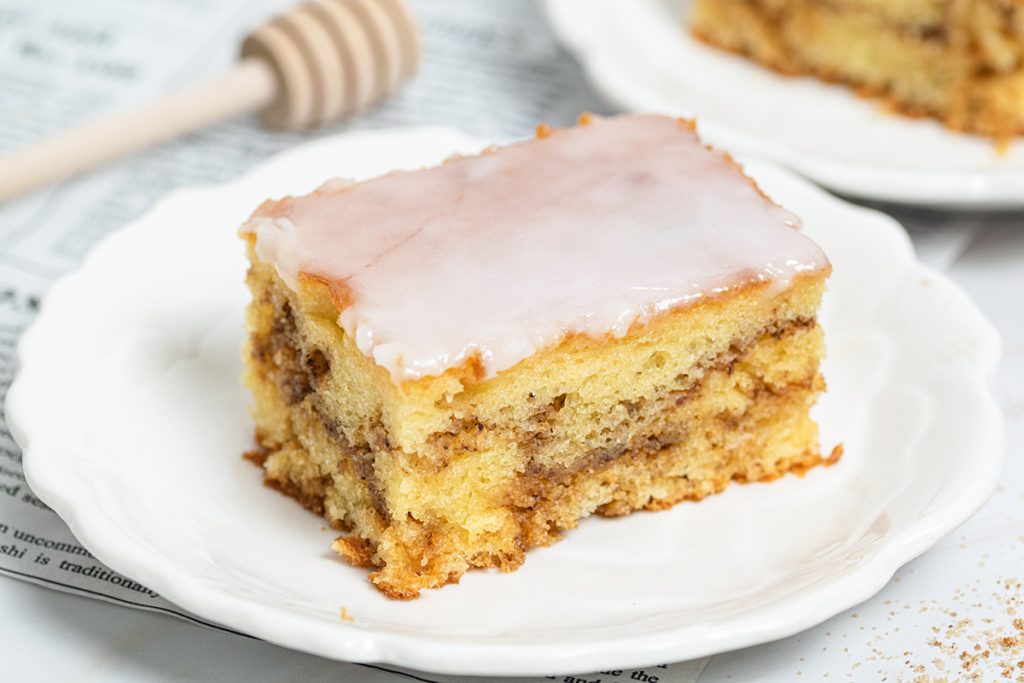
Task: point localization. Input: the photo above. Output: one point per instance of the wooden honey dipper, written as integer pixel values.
(314, 64)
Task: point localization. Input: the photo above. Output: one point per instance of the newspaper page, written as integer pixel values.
(492, 69)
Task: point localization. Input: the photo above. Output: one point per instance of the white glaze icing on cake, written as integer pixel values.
(589, 230)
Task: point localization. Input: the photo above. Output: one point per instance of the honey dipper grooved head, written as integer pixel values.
(334, 57)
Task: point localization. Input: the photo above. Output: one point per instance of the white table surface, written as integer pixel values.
(52, 636)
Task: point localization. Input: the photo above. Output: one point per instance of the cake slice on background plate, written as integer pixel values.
(960, 62)
(457, 364)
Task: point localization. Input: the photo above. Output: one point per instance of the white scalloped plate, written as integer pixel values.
(639, 58)
(129, 410)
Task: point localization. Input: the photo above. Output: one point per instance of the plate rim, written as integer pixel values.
(998, 189)
(294, 630)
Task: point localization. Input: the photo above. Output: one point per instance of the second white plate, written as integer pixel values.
(640, 58)
(129, 409)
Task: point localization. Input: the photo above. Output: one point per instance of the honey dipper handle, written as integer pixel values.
(249, 86)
